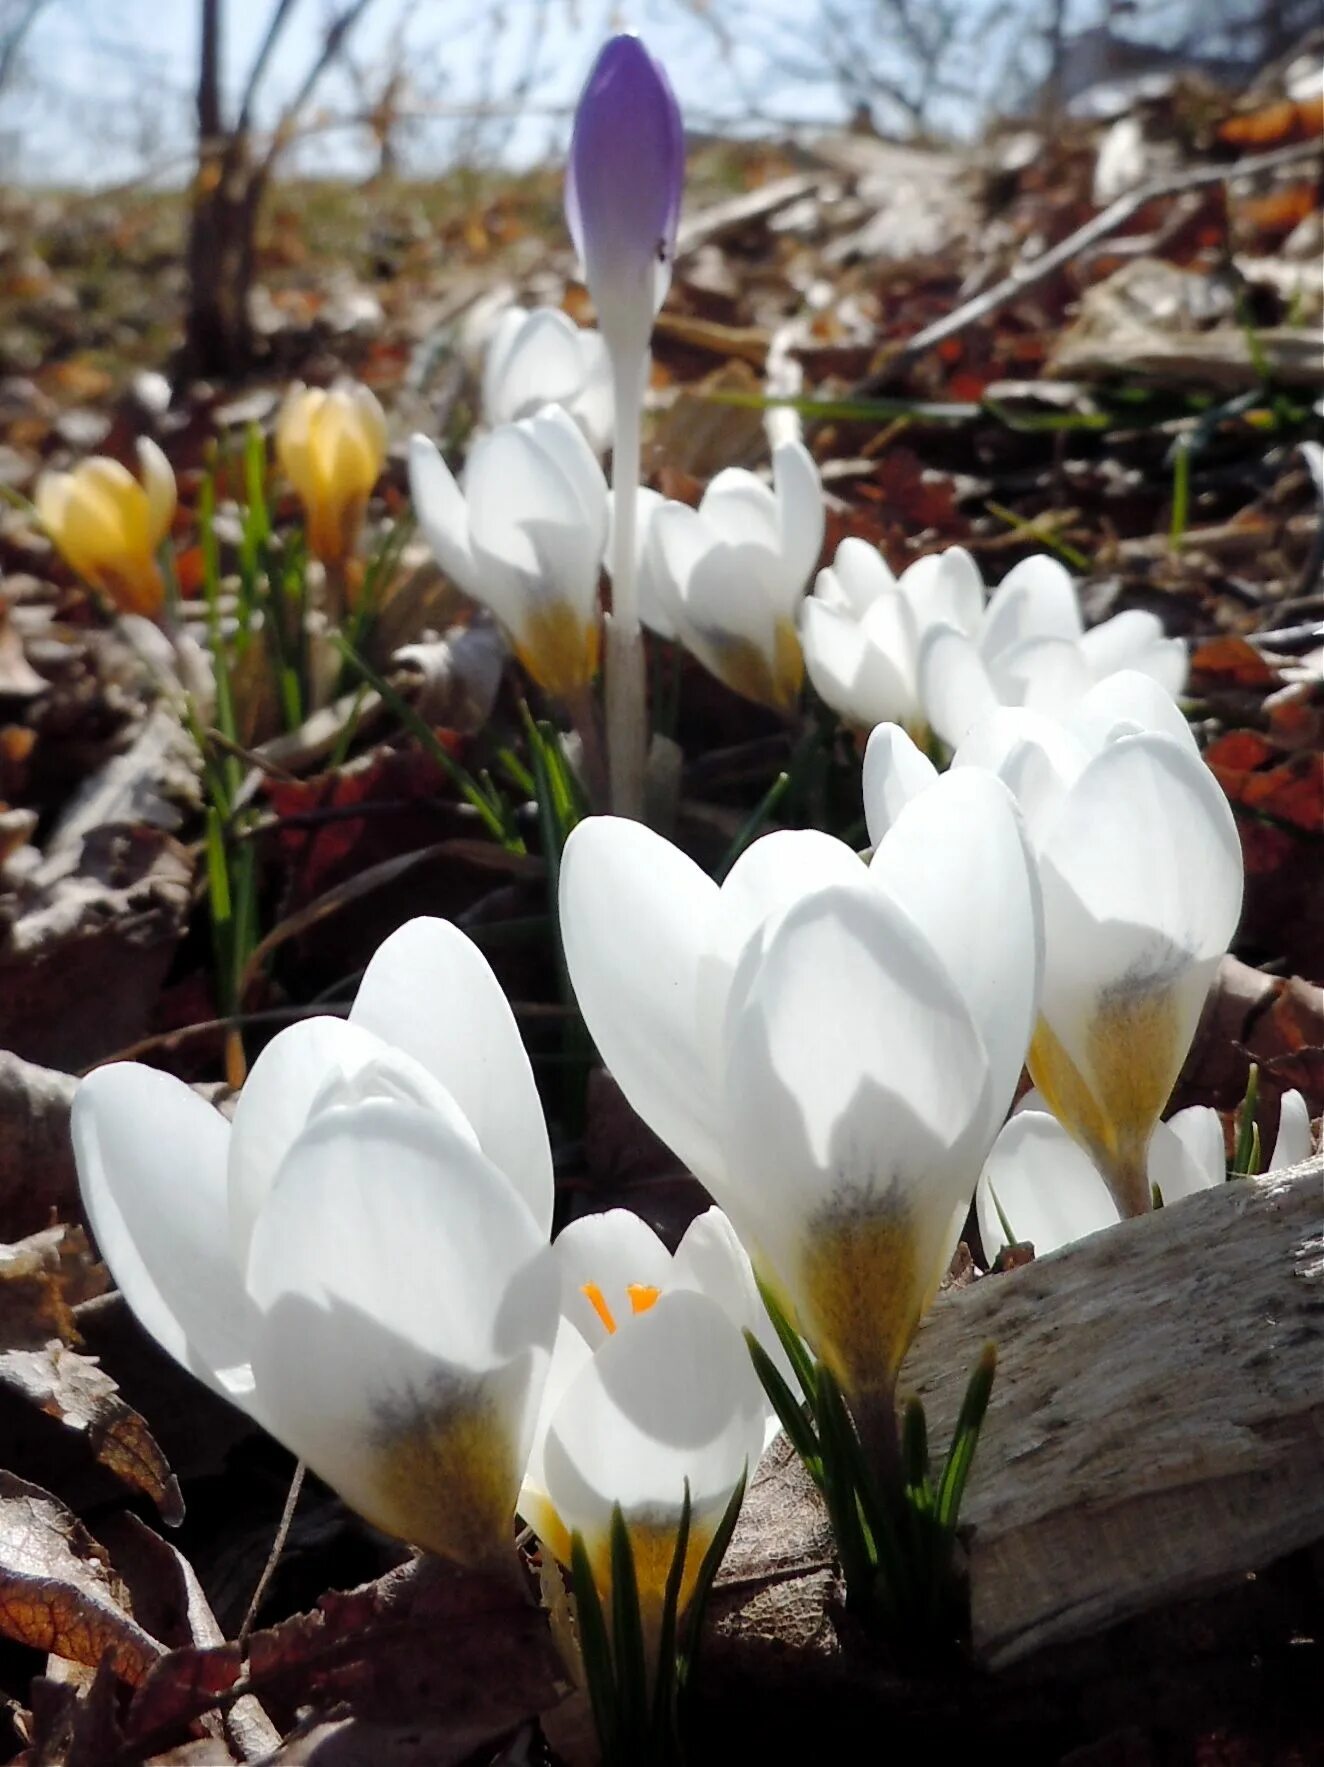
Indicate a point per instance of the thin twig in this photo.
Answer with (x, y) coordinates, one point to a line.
(1026, 275)
(273, 1557)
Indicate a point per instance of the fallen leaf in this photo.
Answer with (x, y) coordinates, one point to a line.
(42, 1279)
(58, 1591)
(71, 1387)
(1230, 662)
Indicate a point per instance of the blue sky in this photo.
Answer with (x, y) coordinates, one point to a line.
(108, 85)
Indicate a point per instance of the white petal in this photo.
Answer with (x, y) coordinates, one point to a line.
(1129, 703)
(741, 510)
(667, 1401)
(430, 992)
(675, 542)
(526, 510)
(635, 916)
(539, 364)
(1035, 757)
(570, 1354)
(954, 687)
(1037, 599)
(801, 518)
(408, 1306)
(1187, 1154)
(711, 1260)
(613, 1252)
(558, 435)
(594, 408)
(850, 670)
(945, 588)
(1046, 675)
(439, 505)
(965, 827)
(860, 573)
(1112, 644)
(504, 337)
(1046, 1187)
(1293, 1144)
(869, 1103)
(895, 772)
(151, 1161)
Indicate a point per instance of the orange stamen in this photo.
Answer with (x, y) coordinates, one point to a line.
(593, 1295)
(642, 1296)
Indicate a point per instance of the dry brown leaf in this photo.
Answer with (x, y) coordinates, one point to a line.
(467, 1654)
(58, 1591)
(72, 1388)
(42, 1279)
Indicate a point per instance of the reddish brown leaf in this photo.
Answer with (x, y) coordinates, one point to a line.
(58, 1592)
(1230, 662)
(43, 1277)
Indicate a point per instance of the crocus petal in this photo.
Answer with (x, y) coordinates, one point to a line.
(607, 1254)
(1037, 599)
(895, 772)
(1293, 1144)
(532, 362)
(304, 1064)
(860, 574)
(151, 1161)
(667, 1403)
(1128, 703)
(1113, 643)
(430, 992)
(1186, 1153)
(857, 678)
(439, 505)
(570, 1354)
(623, 182)
(967, 826)
(954, 687)
(711, 1260)
(848, 1150)
(1141, 874)
(408, 1306)
(1047, 675)
(159, 484)
(801, 518)
(635, 915)
(741, 510)
(1045, 1187)
(1035, 757)
(945, 588)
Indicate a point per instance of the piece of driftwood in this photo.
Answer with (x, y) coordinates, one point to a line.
(1156, 1432)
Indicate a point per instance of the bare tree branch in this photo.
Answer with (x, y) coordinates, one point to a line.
(280, 14)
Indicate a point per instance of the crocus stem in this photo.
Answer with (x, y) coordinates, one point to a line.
(627, 708)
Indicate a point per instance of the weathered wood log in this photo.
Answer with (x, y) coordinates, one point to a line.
(1156, 1432)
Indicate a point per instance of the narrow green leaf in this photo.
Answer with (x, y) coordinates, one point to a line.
(790, 1411)
(755, 823)
(627, 1634)
(1243, 1162)
(915, 1450)
(797, 1353)
(594, 1649)
(706, 1577)
(965, 1439)
(665, 1687)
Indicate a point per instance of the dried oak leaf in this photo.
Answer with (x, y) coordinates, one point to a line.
(1257, 777)
(72, 1388)
(67, 1728)
(425, 1642)
(1231, 662)
(58, 1592)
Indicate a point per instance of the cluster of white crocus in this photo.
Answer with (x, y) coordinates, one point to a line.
(543, 358)
(1141, 873)
(525, 536)
(831, 1047)
(726, 579)
(1040, 1187)
(924, 651)
(361, 1261)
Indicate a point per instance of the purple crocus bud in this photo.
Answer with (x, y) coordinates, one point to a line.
(622, 189)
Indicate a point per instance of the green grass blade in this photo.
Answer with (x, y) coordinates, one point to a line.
(1244, 1164)
(594, 1650)
(797, 1354)
(965, 1439)
(790, 1411)
(627, 1634)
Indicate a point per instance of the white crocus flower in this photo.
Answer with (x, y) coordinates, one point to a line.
(1141, 871)
(861, 629)
(1045, 1188)
(726, 579)
(667, 1402)
(543, 358)
(830, 1048)
(525, 537)
(361, 1260)
(614, 1270)
(1030, 649)
(1049, 1192)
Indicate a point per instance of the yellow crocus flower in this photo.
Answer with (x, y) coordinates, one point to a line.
(107, 525)
(331, 446)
